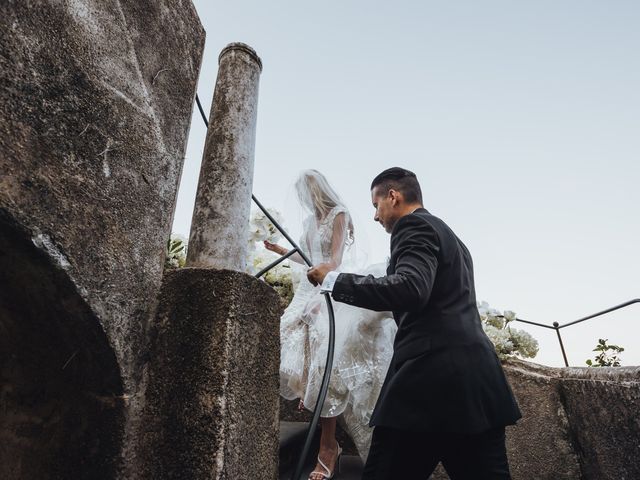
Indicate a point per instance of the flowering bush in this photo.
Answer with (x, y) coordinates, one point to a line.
(176, 254)
(507, 341)
(279, 277)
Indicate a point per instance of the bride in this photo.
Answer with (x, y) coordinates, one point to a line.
(364, 339)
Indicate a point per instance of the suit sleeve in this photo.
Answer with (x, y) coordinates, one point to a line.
(416, 246)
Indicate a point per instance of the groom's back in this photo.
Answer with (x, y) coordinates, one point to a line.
(450, 317)
(444, 375)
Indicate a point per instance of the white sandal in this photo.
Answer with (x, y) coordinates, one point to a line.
(328, 474)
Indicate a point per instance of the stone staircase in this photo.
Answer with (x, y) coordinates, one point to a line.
(292, 436)
(578, 423)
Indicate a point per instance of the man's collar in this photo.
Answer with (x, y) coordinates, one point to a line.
(419, 209)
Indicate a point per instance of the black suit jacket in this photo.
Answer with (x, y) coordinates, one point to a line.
(444, 375)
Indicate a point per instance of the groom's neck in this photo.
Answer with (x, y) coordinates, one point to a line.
(409, 208)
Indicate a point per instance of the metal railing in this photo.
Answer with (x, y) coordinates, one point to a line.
(331, 346)
(557, 327)
(324, 387)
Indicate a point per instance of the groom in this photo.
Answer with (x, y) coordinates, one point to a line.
(445, 398)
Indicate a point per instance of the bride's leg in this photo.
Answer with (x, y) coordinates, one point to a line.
(328, 447)
(328, 435)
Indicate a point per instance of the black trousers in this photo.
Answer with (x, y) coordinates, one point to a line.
(401, 455)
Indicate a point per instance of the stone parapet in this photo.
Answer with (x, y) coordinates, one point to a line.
(602, 406)
(540, 446)
(212, 398)
(578, 423)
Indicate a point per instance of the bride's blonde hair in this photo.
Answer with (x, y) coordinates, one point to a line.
(317, 196)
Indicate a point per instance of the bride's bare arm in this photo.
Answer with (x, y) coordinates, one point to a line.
(338, 238)
(282, 251)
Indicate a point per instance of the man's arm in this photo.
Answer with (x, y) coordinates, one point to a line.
(416, 247)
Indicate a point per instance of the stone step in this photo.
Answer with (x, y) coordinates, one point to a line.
(289, 412)
(350, 469)
(292, 436)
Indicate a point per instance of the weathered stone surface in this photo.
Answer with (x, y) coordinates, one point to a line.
(212, 399)
(218, 235)
(603, 406)
(95, 106)
(61, 395)
(578, 423)
(540, 445)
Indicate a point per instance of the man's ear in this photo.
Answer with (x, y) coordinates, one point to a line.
(395, 196)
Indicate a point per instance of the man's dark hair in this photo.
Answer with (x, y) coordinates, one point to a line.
(399, 179)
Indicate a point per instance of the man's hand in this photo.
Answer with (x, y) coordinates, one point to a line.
(316, 274)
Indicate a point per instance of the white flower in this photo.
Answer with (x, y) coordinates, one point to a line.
(280, 276)
(509, 316)
(483, 308)
(506, 340)
(500, 339)
(261, 228)
(258, 259)
(524, 344)
(495, 321)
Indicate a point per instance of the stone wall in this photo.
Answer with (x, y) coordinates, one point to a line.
(540, 446)
(61, 393)
(95, 106)
(602, 406)
(578, 423)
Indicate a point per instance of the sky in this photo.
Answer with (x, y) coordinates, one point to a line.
(520, 119)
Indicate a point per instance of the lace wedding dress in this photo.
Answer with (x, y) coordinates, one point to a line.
(363, 348)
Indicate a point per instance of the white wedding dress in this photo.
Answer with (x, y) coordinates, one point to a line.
(363, 346)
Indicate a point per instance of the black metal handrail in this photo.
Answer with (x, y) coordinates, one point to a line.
(331, 346)
(556, 326)
(324, 387)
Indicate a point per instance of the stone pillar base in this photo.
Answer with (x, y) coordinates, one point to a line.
(212, 398)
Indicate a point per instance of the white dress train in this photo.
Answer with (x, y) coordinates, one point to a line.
(363, 346)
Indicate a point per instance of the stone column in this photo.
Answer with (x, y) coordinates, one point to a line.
(221, 213)
(211, 409)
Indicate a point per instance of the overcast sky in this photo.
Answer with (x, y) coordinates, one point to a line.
(521, 120)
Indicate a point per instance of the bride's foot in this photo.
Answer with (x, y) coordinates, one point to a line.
(328, 460)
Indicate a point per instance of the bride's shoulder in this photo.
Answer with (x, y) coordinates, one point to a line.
(337, 210)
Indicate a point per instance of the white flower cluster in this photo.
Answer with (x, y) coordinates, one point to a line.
(176, 255)
(279, 277)
(507, 341)
(261, 228)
